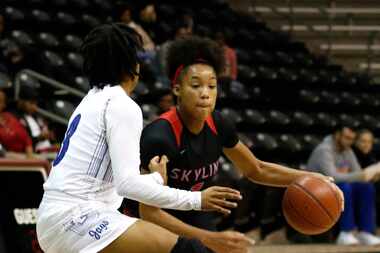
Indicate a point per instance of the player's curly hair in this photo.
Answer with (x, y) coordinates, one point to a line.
(188, 51)
(110, 54)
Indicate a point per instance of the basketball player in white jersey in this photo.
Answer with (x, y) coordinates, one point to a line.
(98, 165)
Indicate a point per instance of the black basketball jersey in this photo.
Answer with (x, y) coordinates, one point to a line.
(193, 158)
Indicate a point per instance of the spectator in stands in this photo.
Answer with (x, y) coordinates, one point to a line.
(13, 135)
(188, 20)
(3, 67)
(363, 148)
(334, 157)
(125, 15)
(148, 17)
(36, 126)
(165, 100)
(364, 151)
(229, 57)
(180, 32)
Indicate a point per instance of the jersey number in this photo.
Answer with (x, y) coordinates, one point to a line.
(66, 141)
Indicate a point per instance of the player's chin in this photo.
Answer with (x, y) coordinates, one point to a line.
(203, 111)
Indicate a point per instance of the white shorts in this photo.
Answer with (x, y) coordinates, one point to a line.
(84, 228)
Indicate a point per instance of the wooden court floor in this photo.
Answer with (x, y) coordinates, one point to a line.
(277, 243)
(312, 248)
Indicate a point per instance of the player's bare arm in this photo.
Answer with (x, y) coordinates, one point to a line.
(266, 173)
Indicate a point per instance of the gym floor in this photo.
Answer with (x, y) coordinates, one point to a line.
(277, 243)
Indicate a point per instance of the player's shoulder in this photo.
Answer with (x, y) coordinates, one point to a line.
(122, 104)
(160, 126)
(158, 133)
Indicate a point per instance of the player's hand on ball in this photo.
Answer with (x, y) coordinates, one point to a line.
(158, 164)
(218, 199)
(227, 242)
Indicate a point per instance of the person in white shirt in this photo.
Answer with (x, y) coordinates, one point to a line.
(98, 165)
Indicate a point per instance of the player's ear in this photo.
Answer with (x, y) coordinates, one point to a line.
(176, 89)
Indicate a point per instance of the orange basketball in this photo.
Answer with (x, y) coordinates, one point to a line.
(311, 205)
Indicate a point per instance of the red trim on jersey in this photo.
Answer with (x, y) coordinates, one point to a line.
(211, 124)
(175, 123)
(172, 117)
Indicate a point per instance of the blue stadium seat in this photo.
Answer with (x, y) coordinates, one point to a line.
(326, 121)
(370, 122)
(310, 141)
(59, 3)
(62, 108)
(22, 38)
(232, 115)
(90, 21)
(278, 118)
(48, 40)
(82, 83)
(329, 98)
(66, 20)
(72, 41)
(288, 143)
(40, 17)
(75, 60)
(264, 141)
(29, 81)
(348, 120)
(81, 4)
(5, 81)
(238, 91)
(301, 119)
(14, 15)
(349, 99)
(254, 117)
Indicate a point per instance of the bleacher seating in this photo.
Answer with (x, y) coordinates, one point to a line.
(282, 88)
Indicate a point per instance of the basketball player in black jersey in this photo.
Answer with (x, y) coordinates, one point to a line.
(193, 136)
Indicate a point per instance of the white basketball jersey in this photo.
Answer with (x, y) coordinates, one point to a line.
(83, 169)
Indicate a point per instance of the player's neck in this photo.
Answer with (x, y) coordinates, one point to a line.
(128, 86)
(193, 124)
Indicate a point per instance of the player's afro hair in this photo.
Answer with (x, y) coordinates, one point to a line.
(110, 54)
(194, 49)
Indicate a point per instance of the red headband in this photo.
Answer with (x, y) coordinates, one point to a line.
(181, 67)
(177, 72)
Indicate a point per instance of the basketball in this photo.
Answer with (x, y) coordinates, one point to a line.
(311, 205)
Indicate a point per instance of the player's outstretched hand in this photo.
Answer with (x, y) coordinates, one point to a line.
(220, 199)
(227, 242)
(158, 164)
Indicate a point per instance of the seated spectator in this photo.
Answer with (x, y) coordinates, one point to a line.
(36, 126)
(230, 58)
(13, 135)
(125, 15)
(148, 17)
(363, 148)
(334, 157)
(180, 32)
(3, 67)
(124, 12)
(164, 100)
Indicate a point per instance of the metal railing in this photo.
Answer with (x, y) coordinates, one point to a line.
(44, 80)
